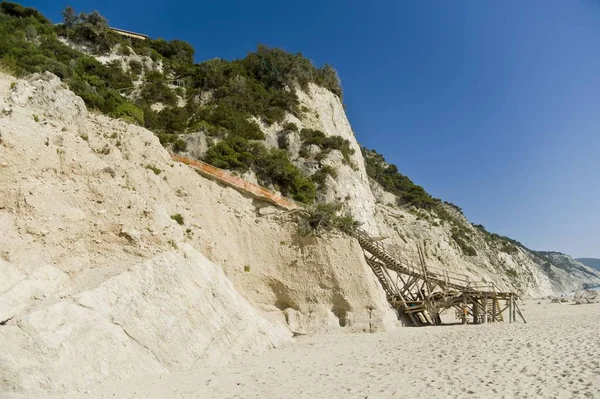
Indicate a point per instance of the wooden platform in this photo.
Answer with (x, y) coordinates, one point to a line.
(420, 293)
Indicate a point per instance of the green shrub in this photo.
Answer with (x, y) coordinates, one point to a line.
(179, 145)
(123, 49)
(166, 139)
(272, 166)
(325, 143)
(36, 118)
(512, 273)
(233, 153)
(178, 218)
(319, 177)
(509, 248)
(461, 236)
(173, 119)
(135, 67)
(235, 122)
(329, 78)
(154, 169)
(325, 217)
(388, 176)
(18, 11)
(155, 90)
(130, 113)
(291, 126)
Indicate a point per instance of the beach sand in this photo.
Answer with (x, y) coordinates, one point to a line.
(556, 354)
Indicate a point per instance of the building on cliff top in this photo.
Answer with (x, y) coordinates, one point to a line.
(132, 35)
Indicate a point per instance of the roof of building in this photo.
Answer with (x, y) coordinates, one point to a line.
(130, 33)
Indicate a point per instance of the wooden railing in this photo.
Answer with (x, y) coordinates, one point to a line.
(407, 266)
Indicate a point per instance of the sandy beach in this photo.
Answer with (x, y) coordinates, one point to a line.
(556, 354)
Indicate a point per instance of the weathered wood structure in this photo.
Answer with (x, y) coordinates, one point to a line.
(420, 293)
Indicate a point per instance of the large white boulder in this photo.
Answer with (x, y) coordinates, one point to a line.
(171, 313)
(587, 296)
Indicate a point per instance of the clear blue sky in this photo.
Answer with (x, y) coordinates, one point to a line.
(492, 105)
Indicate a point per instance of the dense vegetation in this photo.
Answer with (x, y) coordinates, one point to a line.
(29, 43)
(506, 244)
(388, 176)
(261, 85)
(272, 166)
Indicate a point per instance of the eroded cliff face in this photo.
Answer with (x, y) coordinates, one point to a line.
(97, 271)
(351, 186)
(404, 227)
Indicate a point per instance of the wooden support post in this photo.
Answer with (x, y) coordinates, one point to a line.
(521, 314)
(485, 308)
(464, 309)
(494, 310)
(475, 311)
(514, 315)
(510, 308)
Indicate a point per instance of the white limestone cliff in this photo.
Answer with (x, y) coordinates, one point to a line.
(99, 282)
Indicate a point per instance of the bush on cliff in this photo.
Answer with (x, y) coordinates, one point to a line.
(129, 112)
(272, 166)
(325, 217)
(325, 143)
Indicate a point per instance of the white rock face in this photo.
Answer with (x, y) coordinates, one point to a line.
(50, 97)
(42, 282)
(90, 268)
(171, 313)
(352, 183)
(65, 347)
(182, 300)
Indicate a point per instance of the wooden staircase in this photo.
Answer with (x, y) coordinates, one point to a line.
(419, 293)
(413, 310)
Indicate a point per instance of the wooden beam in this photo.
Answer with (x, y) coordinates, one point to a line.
(463, 308)
(475, 311)
(521, 314)
(485, 308)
